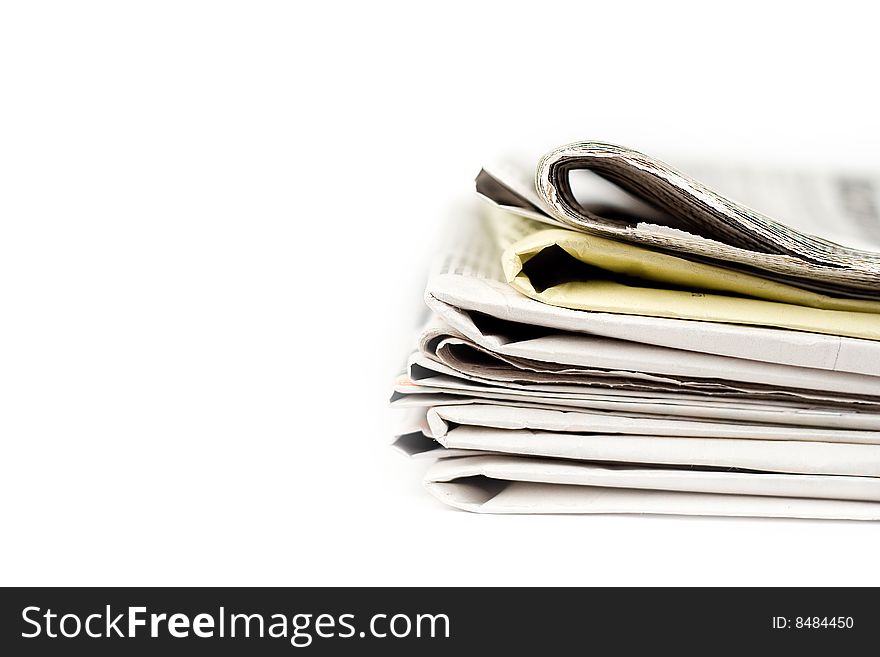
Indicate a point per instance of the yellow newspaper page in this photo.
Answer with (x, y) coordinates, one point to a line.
(585, 272)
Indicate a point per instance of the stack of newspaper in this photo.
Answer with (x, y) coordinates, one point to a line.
(608, 335)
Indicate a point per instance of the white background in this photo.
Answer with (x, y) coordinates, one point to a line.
(215, 223)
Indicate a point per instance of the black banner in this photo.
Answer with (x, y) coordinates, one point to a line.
(334, 621)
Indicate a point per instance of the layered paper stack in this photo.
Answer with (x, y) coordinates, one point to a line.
(609, 335)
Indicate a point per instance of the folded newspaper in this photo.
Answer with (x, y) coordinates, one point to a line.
(608, 335)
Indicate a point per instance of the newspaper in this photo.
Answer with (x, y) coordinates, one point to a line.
(558, 358)
(585, 272)
(468, 281)
(652, 347)
(423, 370)
(685, 216)
(801, 457)
(473, 481)
(436, 422)
(505, 484)
(435, 390)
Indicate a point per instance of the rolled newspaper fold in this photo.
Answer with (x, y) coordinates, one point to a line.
(692, 219)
